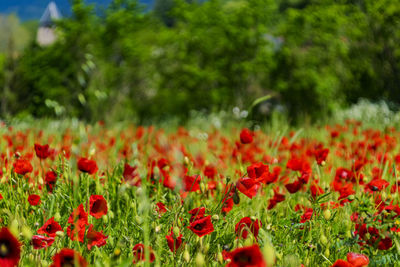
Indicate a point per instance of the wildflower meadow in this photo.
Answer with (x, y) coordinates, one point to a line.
(74, 194)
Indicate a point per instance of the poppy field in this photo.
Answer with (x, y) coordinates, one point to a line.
(73, 194)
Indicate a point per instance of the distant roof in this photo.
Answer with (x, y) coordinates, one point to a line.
(50, 14)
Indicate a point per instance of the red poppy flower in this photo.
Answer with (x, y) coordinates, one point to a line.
(227, 206)
(161, 209)
(342, 263)
(246, 256)
(34, 200)
(248, 186)
(245, 225)
(346, 191)
(1, 196)
(50, 180)
(276, 198)
(321, 154)
(78, 221)
(377, 184)
(140, 255)
(39, 241)
(307, 215)
(42, 152)
(299, 164)
(10, 249)
(257, 170)
(202, 226)
(246, 136)
(174, 242)
(87, 165)
(210, 171)
(50, 228)
(192, 183)
(358, 260)
(22, 166)
(130, 175)
(385, 244)
(197, 213)
(68, 257)
(316, 190)
(98, 206)
(95, 238)
(294, 187)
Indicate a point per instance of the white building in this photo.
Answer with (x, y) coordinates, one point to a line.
(46, 33)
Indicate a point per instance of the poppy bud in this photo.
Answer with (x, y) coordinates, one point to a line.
(215, 217)
(220, 257)
(117, 252)
(176, 231)
(324, 240)
(348, 234)
(186, 161)
(200, 259)
(327, 214)
(327, 252)
(186, 256)
(206, 247)
(202, 187)
(158, 228)
(14, 227)
(57, 216)
(269, 254)
(138, 219)
(236, 198)
(26, 232)
(60, 233)
(249, 241)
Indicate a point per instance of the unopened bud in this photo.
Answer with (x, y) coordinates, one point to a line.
(220, 258)
(57, 216)
(269, 254)
(60, 233)
(200, 259)
(324, 240)
(26, 232)
(176, 231)
(186, 256)
(327, 214)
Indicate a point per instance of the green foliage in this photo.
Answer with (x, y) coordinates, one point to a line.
(126, 62)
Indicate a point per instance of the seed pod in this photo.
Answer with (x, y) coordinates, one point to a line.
(269, 254)
(236, 198)
(220, 257)
(215, 217)
(327, 214)
(176, 231)
(327, 252)
(200, 261)
(186, 256)
(324, 240)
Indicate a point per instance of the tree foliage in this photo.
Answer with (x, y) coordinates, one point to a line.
(129, 62)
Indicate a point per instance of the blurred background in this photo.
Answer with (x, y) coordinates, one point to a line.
(148, 60)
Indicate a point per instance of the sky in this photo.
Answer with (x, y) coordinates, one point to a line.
(33, 9)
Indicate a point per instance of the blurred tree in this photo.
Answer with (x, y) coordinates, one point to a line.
(53, 79)
(214, 56)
